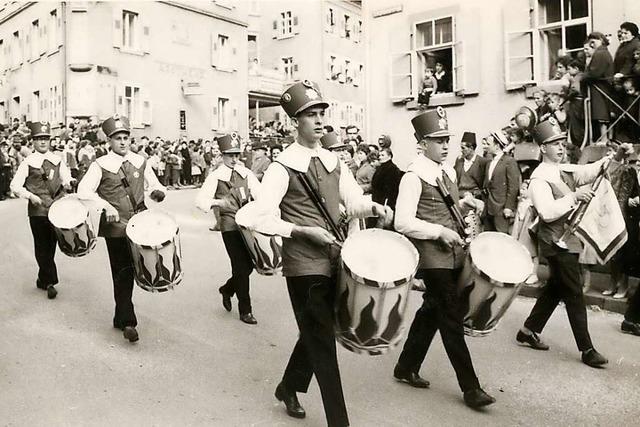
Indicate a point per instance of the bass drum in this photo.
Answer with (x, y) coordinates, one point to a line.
(496, 267)
(377, 271)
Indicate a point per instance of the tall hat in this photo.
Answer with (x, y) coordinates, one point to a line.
(300, 96)
(469, 137)
(526, 118)
(228, 144)
(548, 131)
(115, 124)
(39, 129)
(260, 146)
(432, 123)
(500, 138)
(331, 141)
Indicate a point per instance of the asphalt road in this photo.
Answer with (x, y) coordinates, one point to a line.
(61, 362)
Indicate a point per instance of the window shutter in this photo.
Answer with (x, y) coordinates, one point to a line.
(467, 58)
(234, 57)
(520, 45)
(327, 70)
(214, 115)
(146, 39)
(59, 34)
(44, 42)
(119, 99)
(235, 117)
(296, 26)
(275, 32)
(147, 109)
(28, 48)
(117, 27)
(327, 21)
(343, 26)
(401, 85)
(214, 49)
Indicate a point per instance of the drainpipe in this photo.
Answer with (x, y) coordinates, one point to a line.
(65, 47)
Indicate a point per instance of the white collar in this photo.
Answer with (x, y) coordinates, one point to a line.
(428, 170)
(471, 160)
(224, 172)
(36, 158)
(550, 172)
(112, 161)
(297, 157)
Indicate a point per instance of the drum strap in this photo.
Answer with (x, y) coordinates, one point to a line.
(317, 201)
(127, 189)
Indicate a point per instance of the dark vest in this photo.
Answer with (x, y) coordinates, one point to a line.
(112, 189)
(432, 208)
(301, 257)
(550, 232)
(45, 183)
(231, 192)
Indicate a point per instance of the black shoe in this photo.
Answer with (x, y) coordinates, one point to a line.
(248, 318)
(226, 300)
(594, 359)
(290, 400)
(411, 378)
(630, 327)
(477, 398)
(131, 334)
(51, 292)
(532, 340)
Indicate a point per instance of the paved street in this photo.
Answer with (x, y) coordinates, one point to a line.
(61, 363)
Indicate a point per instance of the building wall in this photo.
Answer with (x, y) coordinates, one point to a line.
(480, 25)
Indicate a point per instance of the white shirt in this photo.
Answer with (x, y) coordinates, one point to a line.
(494, 162)
(467, 163)
(112, 162)
(550, 209)
(207, 192)
(406, 222)
(275, 184)
(35, 160)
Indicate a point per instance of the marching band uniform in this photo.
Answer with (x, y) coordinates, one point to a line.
(235, 186)
(119, 181)
(552, 190)
(422, 215)
(310, 269)
(42, 175)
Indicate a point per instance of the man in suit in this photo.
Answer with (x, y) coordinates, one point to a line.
(470, 168)
(501, 185)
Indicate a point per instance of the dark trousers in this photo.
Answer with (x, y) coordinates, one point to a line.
(241, 268)
(633, 310)
(122, 274)
(564, 284)
(312, 299)
(44, 244)
(496, 223)
(442, 309)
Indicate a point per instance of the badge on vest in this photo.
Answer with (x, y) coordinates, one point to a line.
(242, 193)
(136, 174)
(51, 173)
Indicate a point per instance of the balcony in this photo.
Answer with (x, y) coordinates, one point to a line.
(265, 86)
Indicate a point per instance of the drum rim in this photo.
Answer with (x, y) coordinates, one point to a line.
(66, 199)
(376, 283)
(485, 276)
(159, 245)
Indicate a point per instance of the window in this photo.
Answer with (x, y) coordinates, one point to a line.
(16, 50)
(357, 32)
(130, 30)
(223, 113)
(35, 39)
(132, 104)
(35, 106)
(348, 72)
(3, 60)
(333, 69)
(286, 23)
(434, 44)
(357, 80)
(537, 36)
(330, 21)
(347, 27)
(289, 68)
(53, 31)
(224, 51)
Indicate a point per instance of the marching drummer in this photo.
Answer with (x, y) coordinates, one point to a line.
(41, 179)
(117, 182)
(423, 215)
(299, 200)
(554, 192)
(228, 188)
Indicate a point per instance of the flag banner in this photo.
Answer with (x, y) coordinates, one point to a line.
(603, 227)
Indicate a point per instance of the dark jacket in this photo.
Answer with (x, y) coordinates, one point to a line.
(623, 61)
(472, 180)
(502, 189)
(385, 183)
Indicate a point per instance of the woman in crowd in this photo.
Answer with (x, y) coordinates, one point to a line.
(386, 180)
(596, 75)
(624, 61)
(366, 169)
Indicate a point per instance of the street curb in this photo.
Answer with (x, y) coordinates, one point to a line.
(592, 298)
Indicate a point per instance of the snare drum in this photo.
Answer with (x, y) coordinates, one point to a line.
(265, 251)
(73, 226)
(377, 270)
(496, 267)
(155, 248)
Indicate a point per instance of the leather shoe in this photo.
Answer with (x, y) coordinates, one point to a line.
(226, 299)
(130, 333)
(51, 292)
(248, 318)
(290, 400)
(594, 359)
(477, 398)
(630, 327)
(532, 340)
(411, 378)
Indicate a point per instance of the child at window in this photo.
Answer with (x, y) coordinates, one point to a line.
(429, 87)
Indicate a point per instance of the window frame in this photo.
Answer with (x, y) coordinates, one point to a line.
(134, 32)
(223, 119)
(454, 45)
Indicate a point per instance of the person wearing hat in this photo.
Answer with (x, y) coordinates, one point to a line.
(261, 160)
(331, 141)
(41, 179)
(555, 191)
(310, 251)
(423, 216)
(470, 168)
(116, 181)
(501, 184)
(228, 188)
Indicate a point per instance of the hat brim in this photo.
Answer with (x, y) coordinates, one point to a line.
(309, 105)
(337, 147)
(232, 151)
(36, 135)
(554, 138)
(118, 131)
(438, 134)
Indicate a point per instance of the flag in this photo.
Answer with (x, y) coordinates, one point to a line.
(603, 227)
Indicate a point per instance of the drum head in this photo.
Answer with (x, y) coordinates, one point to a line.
(67, 213)
(151, 228)
(501, 257)
(380, 255)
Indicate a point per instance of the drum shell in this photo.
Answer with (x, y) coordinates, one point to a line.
(76, 241)
(265, 251)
